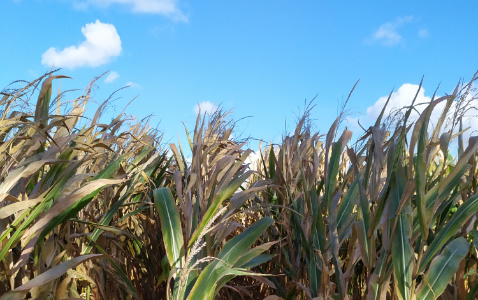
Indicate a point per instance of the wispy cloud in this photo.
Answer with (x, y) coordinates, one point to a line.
(33, 73)
(133, 84)
(387, 34)
(102, 43)
(205, 107)
(423, 33)
(168, 8)
(112, 76)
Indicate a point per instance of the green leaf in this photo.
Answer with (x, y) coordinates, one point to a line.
(439, 193)
(20, 228)
(148, 169)
(222, 195)
(345, 214)
(474, 237)
(362, 226)
(170, 225)
(333, 170)
(246, 260)
(402, 255)
(442, 269)
(377, 289)
(205, 285)
(272, 167)
(145, 151)
(258, 260)
(43, 103)
(80, 204)
(421, 172)
(464, 212)
(123, 278)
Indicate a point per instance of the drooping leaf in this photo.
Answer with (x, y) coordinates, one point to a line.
(48, 276)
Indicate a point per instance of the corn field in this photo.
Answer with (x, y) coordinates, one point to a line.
(90, 210)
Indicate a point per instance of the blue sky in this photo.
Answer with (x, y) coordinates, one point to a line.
(261, 59)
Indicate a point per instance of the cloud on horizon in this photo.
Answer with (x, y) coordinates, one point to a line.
(387, 34)
(168, 8)
(403, 97)
(101, 44)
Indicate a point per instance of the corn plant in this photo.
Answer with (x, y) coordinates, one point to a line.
(384, 218)
(97, 210)
(68, 194)
(208, 250)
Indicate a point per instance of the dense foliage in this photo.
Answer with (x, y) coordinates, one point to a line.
(105, 211)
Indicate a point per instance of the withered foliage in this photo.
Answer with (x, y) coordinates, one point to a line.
(105, 211)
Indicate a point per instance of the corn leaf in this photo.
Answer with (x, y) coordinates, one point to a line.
(206, 283)
(222, 195)
(402, 255)
(170, 225)
(463, 213)
(442, 269)
(48, 276)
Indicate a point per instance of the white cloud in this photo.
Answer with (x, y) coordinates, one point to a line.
(133, 85)
(399, 99)
(423, 33)
(388, 34)
(403, 97)
(167, 8)
(112, 76)
(254, 159)
(206, 107)
(102, 43)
